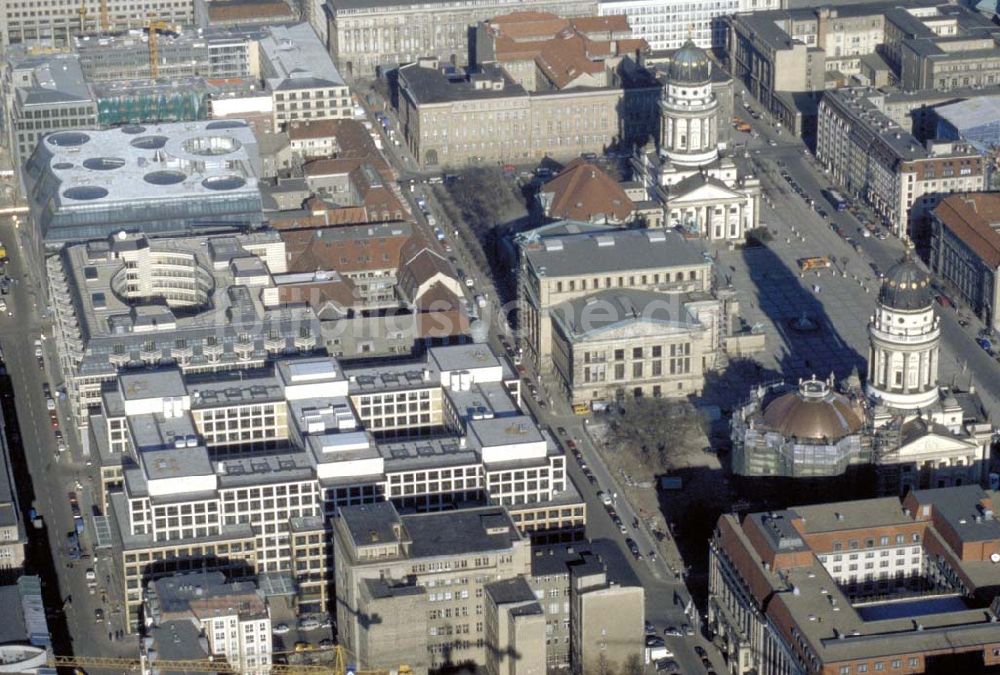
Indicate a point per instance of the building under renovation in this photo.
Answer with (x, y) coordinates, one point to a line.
(811, 431)
(917, 433)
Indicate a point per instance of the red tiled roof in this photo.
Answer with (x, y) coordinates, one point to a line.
(223, 11)
(584, 192)
(308, 251)
(974, 218)
(616, 23)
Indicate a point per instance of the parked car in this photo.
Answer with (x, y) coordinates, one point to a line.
(654, 641)
(281, 629)
(308, 624)
(98, 616)
(688, 630)
(672, 631)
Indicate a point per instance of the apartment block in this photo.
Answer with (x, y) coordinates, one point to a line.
(198, 469)
(302, 79)
(193, 302)
(427, 576)
(43, 94)
(230, 618)
(877, 585)
(786, 56)
(965, 250)
(668, 26)
(367, 35)
(877, 161)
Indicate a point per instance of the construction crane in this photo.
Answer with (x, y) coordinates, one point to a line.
(340, 666)
(82, 11)
(126, 665)
(105, 20)
(154, 49)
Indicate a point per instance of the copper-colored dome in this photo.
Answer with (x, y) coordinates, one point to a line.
(814, 412)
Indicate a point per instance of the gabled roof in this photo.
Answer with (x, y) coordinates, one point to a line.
(345, 249)
(582, 191)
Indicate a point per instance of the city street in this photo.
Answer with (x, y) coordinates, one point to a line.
(846, 305)
(54, 475)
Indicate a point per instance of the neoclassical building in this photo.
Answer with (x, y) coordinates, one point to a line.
(704, 193)
(916, 433)
(904, 334)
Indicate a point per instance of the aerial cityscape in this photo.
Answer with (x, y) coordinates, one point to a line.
(520, 337)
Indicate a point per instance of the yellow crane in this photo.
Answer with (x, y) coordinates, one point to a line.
(153, 28)
(127, 665)
(82, 11)
(105, 21)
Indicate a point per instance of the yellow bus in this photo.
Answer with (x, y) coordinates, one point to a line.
(819, 262)
(581, 409)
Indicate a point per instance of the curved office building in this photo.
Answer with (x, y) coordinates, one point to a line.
(158, 179)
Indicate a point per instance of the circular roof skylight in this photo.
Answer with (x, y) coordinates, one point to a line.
(149, 142)
(85, 192)
(164, 177)
(67, 139)
(224, 182)
(103, 163)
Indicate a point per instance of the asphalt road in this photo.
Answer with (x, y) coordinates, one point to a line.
(969, 361)
(53, 476)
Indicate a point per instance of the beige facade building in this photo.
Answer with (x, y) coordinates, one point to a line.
(425, 577)
(246, 472)
(640, 320)
(639, 342)
(550, 274)
(876, 160)
(608, 620)
(541, 86)
(364, 35)
(965, 250)
(786, 56)
(303, 81)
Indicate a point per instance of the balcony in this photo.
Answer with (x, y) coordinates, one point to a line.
(305, 342)
(120, 360)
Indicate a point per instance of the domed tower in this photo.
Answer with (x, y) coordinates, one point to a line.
(904, 334)
(688, 109)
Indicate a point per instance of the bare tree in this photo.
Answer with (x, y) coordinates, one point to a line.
(601, 666)
(659, 432)
(633, 665)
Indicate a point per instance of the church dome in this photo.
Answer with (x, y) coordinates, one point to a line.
(906, 287)
(815, 412)
(690, 65)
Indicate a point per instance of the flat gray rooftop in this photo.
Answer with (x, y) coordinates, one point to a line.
(461, 532)
(436, 85)
(299, 59)
(613, 252)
